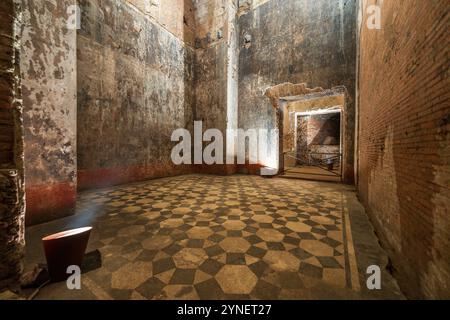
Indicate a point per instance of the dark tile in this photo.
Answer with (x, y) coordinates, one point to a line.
(120, 294)
(329, 262)
(292, 240)
(151, 288)
(234, 233)
(251, 229)
(147, 255)
(279, 222)
(209, 290)
(172, 249)
(152, 227)
(216, 238)
(183, 276)
(311, 223)
(211, 266)
(290, 280)
(164, 231)
(259, 268)
(276, 246)
(141, 222)
(285, 230)
(220, 220)
(331, 227)
(319, 231)
(214, 250)
(195, 243)
(163, 265)
(265, 291)
(306, 236)
(184, 227)
(256, 252)
(331, 242)
(217, 228)
(236, 258)
(300, 253)
(179, 236)
(311, 270)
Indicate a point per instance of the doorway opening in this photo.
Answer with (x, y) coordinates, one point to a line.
(317, 152)
(314, 132)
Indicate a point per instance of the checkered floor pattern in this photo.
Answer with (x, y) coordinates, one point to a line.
(210, 237)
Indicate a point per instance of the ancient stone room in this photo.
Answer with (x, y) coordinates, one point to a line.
(241, 150)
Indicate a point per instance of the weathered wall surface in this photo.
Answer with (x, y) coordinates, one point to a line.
(134, 88)
(48, 68)
(404, 141)
(12, 200)
(215, 69)
(312, 41)
(176, 16)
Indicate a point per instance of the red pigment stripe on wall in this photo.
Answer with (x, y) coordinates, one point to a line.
(49, 201)
(98, 178)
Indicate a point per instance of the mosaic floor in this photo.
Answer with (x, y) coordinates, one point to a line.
(210, 237)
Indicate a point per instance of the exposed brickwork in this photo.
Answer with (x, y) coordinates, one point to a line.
(6, 86)
(6, 135)
(324, 129)
(12, 238)
(318, 137)
(404, 141)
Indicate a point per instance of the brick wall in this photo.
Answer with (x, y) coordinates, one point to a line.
(6, 134)
(6, 88)
(324, 129)
(404, 140)
(11, 150)
(318, 136)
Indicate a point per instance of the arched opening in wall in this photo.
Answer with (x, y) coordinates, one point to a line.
(313, 135)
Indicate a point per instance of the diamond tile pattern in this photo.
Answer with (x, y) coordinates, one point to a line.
(210, 237)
